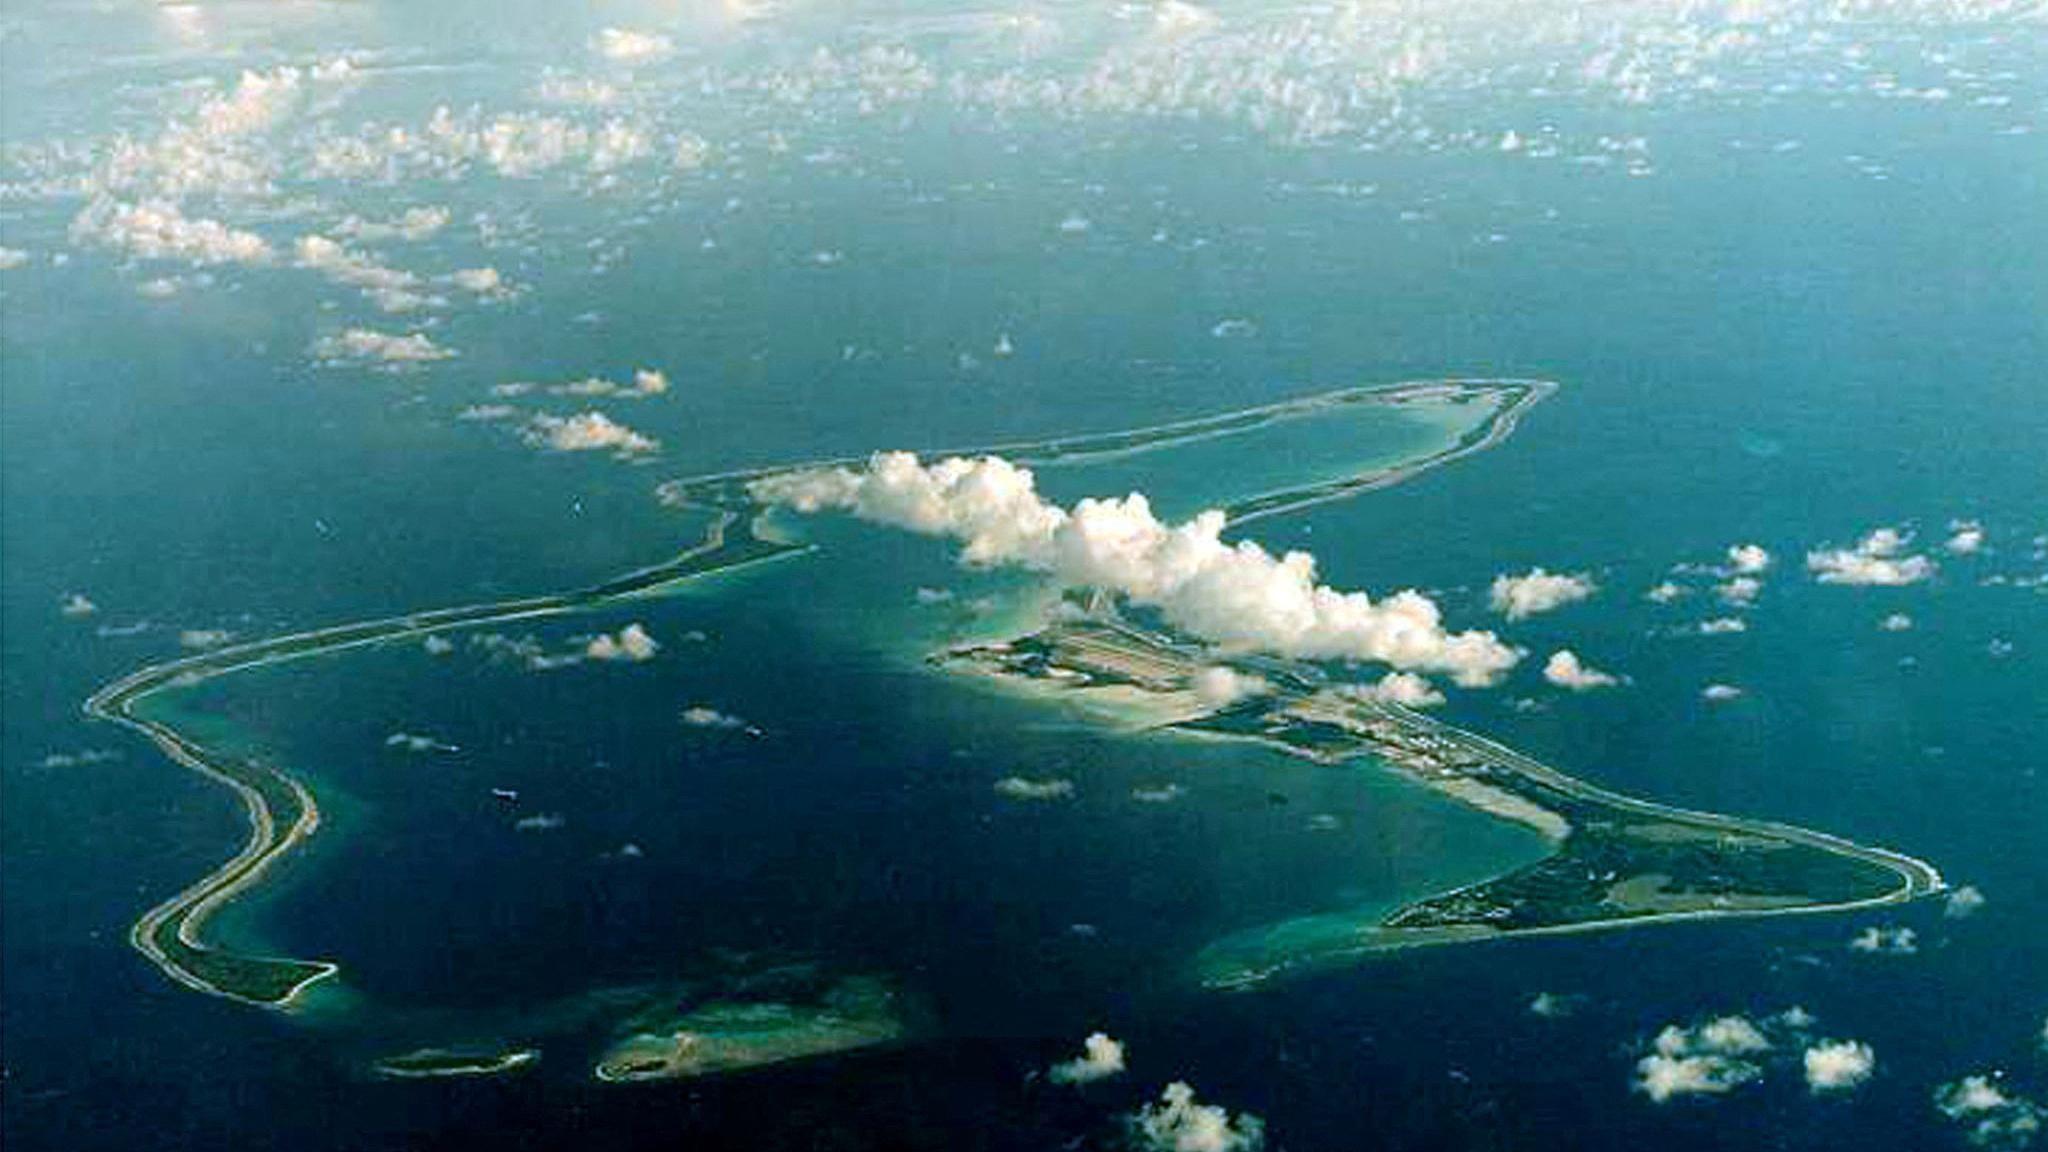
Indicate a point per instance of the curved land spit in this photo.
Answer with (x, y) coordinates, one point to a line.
(283, 812)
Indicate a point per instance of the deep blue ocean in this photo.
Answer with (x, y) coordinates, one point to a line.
(1751, 346)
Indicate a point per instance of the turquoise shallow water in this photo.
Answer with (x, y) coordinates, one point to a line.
(1775, 350)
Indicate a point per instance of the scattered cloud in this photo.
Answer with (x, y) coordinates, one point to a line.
(544, 822)
(1723, 626)
(1231, 593)
(437, 645)
(1566, 670)
(1838, 1065)
(1220, 685)
(632, 644)
(1100, 1059)
(1739, 591)
(1886, 941)
(1403, 688)
(202, 638)
(390, 289)
(1718, 693)
(11, 258)
(1896, 622)
(1157, 794)
(1552, 1006)
(1534, 591)
(1963, 903)
(705, 716)
(369, 346)
(1992, 1116)
(1748, 559)
(588, 431)
(1879, 559)
(1178, 1122)
(1024, 788)
(77, 604)
(1665, 593)
(627, 46)
(1712, 1059)
(413, 225)
(159, 230)
(1966, 538)
(414, 742)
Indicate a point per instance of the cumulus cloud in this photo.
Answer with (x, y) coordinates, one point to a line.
(1886, 941)
(1100, 1058)
(544, 822)
(1739, 591)
(1723, 626)
(1219, 685)
(1566, 670)
(1879, 559)
(1178, 1122)
(632, 645)
(76, 604)
(1896, 622)
(1519, 597)
(1025, 788)
(11, 258)
(1711, 1059)
(159, 230)
(1838, 1065)
(202, 638)
(704, 716)
(1664, 593)
(390, 289)
(369, 346)
(1966, 537)
(1748, 559)
(1403, 688)
(628, 46)
(414, 224)
(1230, 593)
(590, 431)
(1991, 1116)
(1963, 903)
(1718, 693)
(414, 742)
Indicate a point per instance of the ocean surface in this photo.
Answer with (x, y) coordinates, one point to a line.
(1750, 346)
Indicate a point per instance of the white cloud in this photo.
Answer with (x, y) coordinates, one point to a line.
(485, 282)
(367, 345)
(1723, 626)
(202, 638)
(1566, 670)
(1219, 685)
(1878, 559)
(1178, 1122)
(391, 289)
(1519, 597)
(11, 258)
(437, 645)
(414, 742)
(1963, 903)
(1739, 591)
(1896, 622)
(414, 224)
(1231, 593)
(1159, 794)
(1551, 1006)
(1992, 1116)
(159, 230)
(632, 645)
(1717, 693)
(628, 46)
(1714, 1058)
(590, 431)
(1664, 593)
(1886, 941)
(545, 822)
(703, 716)
(1748, 559)
(1100, 1058)
(1403, 688)
(76, 604)
(1838, 1065)
(1966, 537)
(1024, 788)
